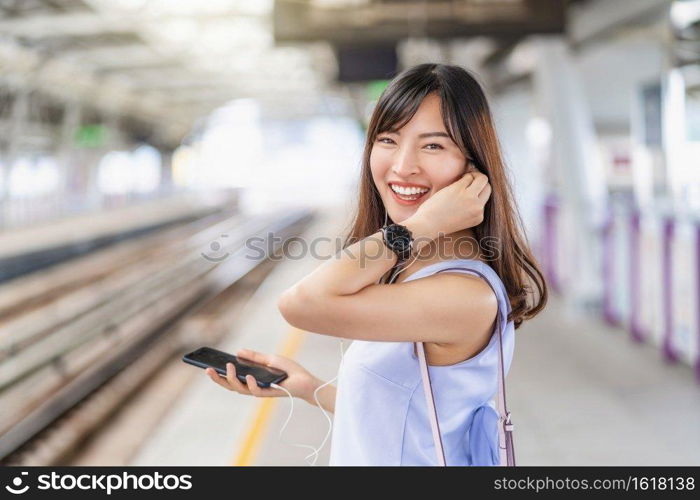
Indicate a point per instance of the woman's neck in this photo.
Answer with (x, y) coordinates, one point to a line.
(459, 245)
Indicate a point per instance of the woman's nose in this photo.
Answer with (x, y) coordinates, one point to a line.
(405, 164)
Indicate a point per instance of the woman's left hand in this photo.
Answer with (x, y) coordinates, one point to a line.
(457, 206)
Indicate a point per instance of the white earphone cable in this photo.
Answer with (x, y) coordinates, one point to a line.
(315, 451)
(289, 416)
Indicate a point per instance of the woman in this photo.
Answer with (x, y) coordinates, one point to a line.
(431, 164)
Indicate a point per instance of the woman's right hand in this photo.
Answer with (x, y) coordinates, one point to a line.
(457, 206)
(299, 382)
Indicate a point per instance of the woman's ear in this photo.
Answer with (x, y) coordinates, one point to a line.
(471, 167)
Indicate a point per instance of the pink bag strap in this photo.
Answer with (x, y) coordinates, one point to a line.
(430, 401)
(505, 422)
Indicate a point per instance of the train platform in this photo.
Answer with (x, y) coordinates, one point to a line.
(580, 392)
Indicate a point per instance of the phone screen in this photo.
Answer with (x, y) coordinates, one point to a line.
(206, 356)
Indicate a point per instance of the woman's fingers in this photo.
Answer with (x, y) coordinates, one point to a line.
(271, 360)
(467, 179)
(485, 193)
(226, 381)
(480, 180)
(233, 381)
(256, 356)
(253, 386)
(218, 379)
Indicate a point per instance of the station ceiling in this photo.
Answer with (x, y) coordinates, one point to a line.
(169, 62)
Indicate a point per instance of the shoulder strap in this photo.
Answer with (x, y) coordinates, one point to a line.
(505, 427)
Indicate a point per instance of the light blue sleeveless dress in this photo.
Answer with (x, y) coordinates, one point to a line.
(381, 416)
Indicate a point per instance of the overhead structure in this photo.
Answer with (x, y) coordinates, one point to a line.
(159, 66)
(163, 64)
(365, 33)
(375, 21)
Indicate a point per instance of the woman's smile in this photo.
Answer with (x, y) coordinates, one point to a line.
(408, 194)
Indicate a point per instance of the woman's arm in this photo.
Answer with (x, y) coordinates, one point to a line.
(354, 268)
(326, 396)
(339, 298)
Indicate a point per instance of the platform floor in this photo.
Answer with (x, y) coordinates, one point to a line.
(581, 393)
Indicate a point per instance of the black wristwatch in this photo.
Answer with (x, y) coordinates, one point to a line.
(399, 239)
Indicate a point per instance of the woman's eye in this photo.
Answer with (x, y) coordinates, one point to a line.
(432, 146)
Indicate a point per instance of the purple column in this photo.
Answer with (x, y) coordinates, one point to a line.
(609, 313)
(668, 351)
(551, 207)
(636, 331)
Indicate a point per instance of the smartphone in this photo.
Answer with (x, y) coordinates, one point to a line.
(206, 357)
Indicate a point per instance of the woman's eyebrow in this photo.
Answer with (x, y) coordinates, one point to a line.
(426, 134)
(434, 134)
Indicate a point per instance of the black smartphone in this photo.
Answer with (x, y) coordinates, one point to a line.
(206, 357)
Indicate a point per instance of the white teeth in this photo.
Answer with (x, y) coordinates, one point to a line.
(408, 191)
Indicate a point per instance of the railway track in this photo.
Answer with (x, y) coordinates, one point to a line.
(67, 335)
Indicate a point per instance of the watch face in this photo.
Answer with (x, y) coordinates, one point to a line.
(399, 236)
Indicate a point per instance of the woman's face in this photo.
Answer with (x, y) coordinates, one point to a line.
(412, 163)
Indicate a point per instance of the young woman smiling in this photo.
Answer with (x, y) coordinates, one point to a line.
(431, 164)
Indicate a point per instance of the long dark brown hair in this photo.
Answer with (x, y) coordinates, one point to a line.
(469, 123)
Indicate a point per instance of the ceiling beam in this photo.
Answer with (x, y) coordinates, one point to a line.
(391, 22)
(63, 80)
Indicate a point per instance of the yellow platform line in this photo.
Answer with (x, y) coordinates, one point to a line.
(256, 430)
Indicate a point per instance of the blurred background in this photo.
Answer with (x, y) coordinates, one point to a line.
(144, 142)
